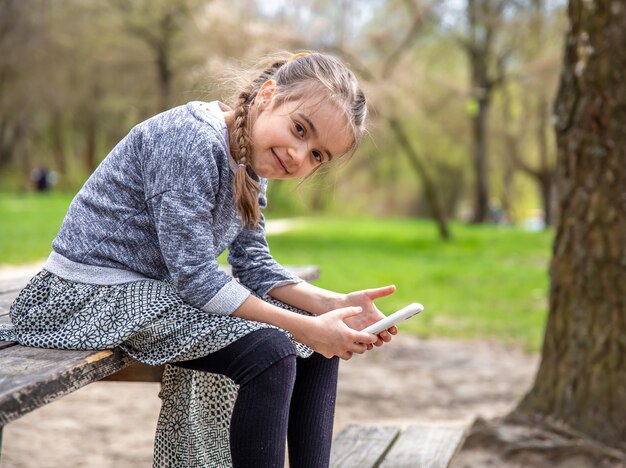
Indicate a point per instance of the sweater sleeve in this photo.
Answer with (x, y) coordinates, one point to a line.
(185, 234)
(251, 261)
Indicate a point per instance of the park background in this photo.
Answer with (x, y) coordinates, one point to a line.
(451, 89)
(451, 196)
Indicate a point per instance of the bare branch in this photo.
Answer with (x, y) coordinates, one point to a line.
(355, 63)
(394, 57)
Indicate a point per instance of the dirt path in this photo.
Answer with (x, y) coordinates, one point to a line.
(111, 424)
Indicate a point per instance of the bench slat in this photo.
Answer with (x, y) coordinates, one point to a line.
(137, 372)
(424, 447)
(361, 446)
(6, 299)
(14, 284)
(32, 377)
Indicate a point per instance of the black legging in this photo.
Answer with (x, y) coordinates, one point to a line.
(281, 397)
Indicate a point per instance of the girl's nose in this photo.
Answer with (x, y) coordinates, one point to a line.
(298, 152)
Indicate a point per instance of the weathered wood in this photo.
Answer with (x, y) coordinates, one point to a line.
(6, 344)
(422, 446)
(32, 377)
(14, 284)
(6, 299)
(137, 372)
(362, 446)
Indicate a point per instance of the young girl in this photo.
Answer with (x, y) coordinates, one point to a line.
(134, 264)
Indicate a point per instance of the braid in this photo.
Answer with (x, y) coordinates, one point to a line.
(246, 188)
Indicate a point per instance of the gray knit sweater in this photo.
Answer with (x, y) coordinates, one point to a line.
(161, 206)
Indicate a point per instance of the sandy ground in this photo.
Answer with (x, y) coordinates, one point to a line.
(111, 424)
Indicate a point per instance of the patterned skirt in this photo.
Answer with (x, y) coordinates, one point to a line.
(152, 324)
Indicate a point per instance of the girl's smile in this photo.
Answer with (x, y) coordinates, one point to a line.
(280, 163)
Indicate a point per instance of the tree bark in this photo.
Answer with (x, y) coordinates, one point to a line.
(582, 376)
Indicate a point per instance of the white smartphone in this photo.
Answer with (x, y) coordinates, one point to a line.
(395, 318)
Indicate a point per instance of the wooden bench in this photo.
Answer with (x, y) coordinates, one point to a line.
(31, 377)
(417, 446)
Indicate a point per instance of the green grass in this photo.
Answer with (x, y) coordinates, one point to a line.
(488, 282)
(28, 223)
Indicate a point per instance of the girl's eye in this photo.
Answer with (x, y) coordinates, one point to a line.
(299, 129)
(318, 156)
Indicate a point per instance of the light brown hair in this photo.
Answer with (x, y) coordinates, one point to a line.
(305, 75)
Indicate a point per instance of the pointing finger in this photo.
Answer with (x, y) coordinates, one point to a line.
(377, 293)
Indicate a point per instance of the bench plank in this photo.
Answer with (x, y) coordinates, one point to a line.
(33, 377)
(6, 299)
(6, 344)
(137, 372)
(361, 446)
(14, 284)
(422, 446)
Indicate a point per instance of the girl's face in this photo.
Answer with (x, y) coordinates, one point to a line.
(294, 138)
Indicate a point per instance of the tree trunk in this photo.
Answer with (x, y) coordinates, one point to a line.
(321, 198)
(432, 198)
(89, 155)
(163, 57)
(546, 187)
(164, 72)
(58, 143)
(479, 152)
(582, 377)
(91, 129)
(546, 172)
(484, 19)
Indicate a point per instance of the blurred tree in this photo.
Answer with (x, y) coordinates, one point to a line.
(21, 37)
(582, 377)
(158, 24)
(543, 173)
(77, 74)
(392, 46)
(487, 54)
(530, 87)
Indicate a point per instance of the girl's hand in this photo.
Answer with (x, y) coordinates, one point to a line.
(329, 335)
(371, 314)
